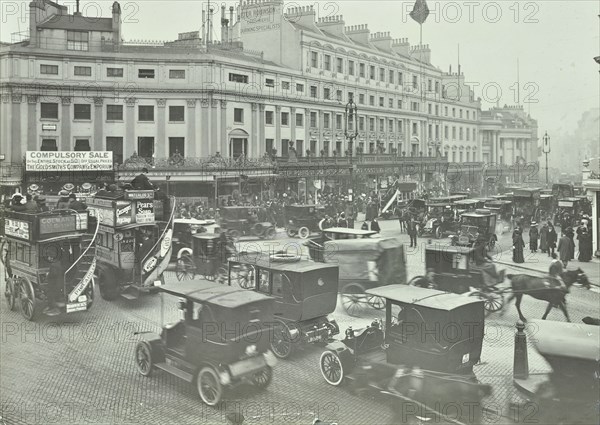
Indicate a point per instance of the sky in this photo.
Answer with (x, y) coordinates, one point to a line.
(549, 44)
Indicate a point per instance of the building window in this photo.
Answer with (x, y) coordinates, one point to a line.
(445, 111)
(381, 101)
(414, 106)
(460, 113)
(351, 67)
(49, 111)
(468, 114)
(414, 129)
(78, 40)
(327, 63)
(313, 119)
(400, 78)
(453, 133)
(391, 126)
(340, 65)
(238, 115)
(391, 103)
(314, 59)
(399, 104)
(391, 76)
(338, 122)
(83, 71)
(454, 112)
(313, 91)
(361, 124)
(49, 145)
(400, 126)
(429, 85)
(437, 110)
(176, 113)
(269, 146)
(285, 85)
(269, 82)
(361, 99)
(82, 111)
(339, 95)
(371, 124)
(382, 74)
(114, 112)
(361, 70)
(350, 96)
(238, 78)
(327, 94)
(285, 118)
(326, 123)
(299, 120)
(468, 135)
(474, 134)
(415, 82)
(146, 73)
(145, 113)
(115, 144)
(437, 86)
(430, 131)
(372, 72)
(381, 125)
(429, 108)
(146, 147)
(300, 88)
(446, 132)
(460, 133)
(269, 117)
(437, 132)
(114, 72)
(372, 100)
(176, 146)
(453, 156)
(82, 145)
(177, 74)
(49, 69)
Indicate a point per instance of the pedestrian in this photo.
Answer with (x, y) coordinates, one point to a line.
(552, 239)
(544, 238)
(412, 233)
(75, 204)
(564, 249)
(342, 222)
(585, 246)
(533, 237)
(571, 235)
(375, 226)
(518, 246)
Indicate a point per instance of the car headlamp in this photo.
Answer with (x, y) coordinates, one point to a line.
(251, 350)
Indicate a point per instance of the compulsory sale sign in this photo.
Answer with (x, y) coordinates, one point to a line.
(69, 161)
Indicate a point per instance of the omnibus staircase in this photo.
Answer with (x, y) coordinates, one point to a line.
(80, 268)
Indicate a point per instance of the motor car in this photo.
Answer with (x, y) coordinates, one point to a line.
(302, 220)
(246, 221)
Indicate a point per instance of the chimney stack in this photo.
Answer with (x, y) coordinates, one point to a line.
(358, 33)
(382, 40)
(332, 24)
(401, 46)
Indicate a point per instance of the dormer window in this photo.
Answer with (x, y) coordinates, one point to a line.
(78, 40)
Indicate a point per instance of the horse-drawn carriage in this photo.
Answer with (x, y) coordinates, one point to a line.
(207, 257)
(185, 228)
(405, 360)
(363, 263)
(568, 212)
(246, 221)
(504, 212)
(477, 225)
(526, 203)
(49, 260)
(302, 220)
(134, 245)
(220, 342)
(305, 293)
(441, 220)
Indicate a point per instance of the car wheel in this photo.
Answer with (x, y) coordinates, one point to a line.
(303, 232)
(378, 303)
(234, 234)
(262, 379)
(291, 233)
(438, 232)
(27, 299)
(9, 294)
(143, 358)
(185, 268)
(270, 233)
(244, 276)
(108, 285)
(492, 301)
(281, 343)
(331, 368)
(209, 386)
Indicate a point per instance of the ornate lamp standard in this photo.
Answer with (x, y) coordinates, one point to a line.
(546, 151)
(351, 133)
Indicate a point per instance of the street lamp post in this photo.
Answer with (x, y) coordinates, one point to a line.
(351, 132)
(546, 151)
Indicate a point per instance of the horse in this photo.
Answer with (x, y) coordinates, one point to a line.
(538, 288)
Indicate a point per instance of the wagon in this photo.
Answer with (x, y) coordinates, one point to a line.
(364, 263)
(568, 211)
(184, 228)
(219, 343)
(246, 221)
(208, 258)
(302, 220)
(526, 203)
(407, 361)
(503, 209)
(49, 258)
(305, 293)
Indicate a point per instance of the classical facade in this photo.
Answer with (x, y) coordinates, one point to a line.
(277, 80)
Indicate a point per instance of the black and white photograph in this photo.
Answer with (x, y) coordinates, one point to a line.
(299, 212)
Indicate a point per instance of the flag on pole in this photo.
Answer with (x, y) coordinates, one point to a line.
(420, 11)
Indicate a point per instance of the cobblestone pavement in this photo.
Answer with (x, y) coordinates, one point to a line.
(79, 368)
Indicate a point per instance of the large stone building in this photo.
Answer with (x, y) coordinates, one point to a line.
(276, 80)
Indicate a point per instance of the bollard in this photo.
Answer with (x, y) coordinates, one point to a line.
(521, 364)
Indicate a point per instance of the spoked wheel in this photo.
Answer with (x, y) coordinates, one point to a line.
(262, 379)
(281, 343)
(27, 299)
(377, 303)
(221, 276)
(143, 358)
(303, 232)
(331, 368)
(244, 276)
(492, 301)
(185, 268)
(10, 294)
(354, 299)
(291, 233)
(209, 386)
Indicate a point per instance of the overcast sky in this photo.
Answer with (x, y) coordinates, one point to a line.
(554, 42)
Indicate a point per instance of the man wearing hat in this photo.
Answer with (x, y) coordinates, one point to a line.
(16, 202)
(534, 235)
(63, 201)
(31, 206)
(75, 204)
(41, 203)
(142, 182)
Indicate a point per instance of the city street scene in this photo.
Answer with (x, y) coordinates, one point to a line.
(269, 212)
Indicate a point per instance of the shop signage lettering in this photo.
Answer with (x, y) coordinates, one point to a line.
(16, 228)
(57, 224)
(123, 210)
(139, 194)
(69, 161)
(144, 212)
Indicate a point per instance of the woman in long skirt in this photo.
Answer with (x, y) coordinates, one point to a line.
(544, 238)
(585, 246)
(518, 246)
(533, 237)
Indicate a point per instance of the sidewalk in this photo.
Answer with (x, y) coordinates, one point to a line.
(539, 262)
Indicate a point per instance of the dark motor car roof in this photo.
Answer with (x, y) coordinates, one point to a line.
(423, 297)
(475, 214)
(456, 249)
(214, 294)
(570, 199)
(570, 340)
(263, 261)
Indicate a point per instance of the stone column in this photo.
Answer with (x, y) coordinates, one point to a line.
(98, 142)
(64, 144)
(32, 124)
(190, 142)
(261, 147)
(130, 143)
(206, 146)
(293, 127)
(253, 148)
(307, 131)
(214, 124)
(277, 142)
(223, 122)
(161, 131)
(5, 128)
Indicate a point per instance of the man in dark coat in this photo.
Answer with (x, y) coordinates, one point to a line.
(544, 238)
(571, 235)
(142, 182)
(375, 226)
(412, 232)
(75, 204)
(585, 246)
(31, 206)
(518, 246)
(552, 239)
(533, 237)
(565, 248)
